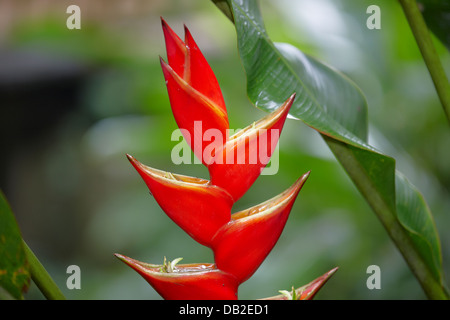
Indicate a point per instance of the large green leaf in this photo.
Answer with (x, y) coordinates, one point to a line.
(14, 270)
(333, 105)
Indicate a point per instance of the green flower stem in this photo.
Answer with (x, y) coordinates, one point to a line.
(432, 287)
(429, 53)
(41, 277)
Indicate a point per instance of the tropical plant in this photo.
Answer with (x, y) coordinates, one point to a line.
(326, 101)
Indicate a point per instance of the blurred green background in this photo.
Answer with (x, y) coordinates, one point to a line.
(74, 102)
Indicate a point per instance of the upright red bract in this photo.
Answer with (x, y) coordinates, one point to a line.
(202, 208)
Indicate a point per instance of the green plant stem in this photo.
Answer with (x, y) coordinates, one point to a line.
(41, 277)
(431, 286)
(429, 53)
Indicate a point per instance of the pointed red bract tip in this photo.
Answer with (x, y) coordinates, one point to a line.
(201, 76)
(306, 292)
(309, 291)
(175, 48)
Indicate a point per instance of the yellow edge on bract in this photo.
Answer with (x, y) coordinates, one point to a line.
(198, 95)
(273, 204)
(155, 269)
(168, 176)
(263, 123)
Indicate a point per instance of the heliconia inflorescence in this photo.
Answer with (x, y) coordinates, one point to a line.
(203, 208)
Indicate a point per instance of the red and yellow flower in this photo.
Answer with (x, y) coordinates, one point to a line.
(203, 208)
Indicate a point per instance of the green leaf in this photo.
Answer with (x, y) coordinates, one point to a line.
(415, 217)
(333, 105)
(14, 269)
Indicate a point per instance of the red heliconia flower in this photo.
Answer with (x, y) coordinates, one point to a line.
(194, 204)
(202, 208)
(199, 281)
(242, 245)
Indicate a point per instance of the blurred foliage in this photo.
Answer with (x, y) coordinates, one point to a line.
(73, 102)
(437, 16)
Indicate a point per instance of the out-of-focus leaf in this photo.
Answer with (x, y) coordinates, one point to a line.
(437, 16)
(331, 104)
(14, 272)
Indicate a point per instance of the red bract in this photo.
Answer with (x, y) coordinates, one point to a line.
(186, 59)
(194, 204)
(202, 208)
(240, 161)
(243, 244)
(199, 281)
(194, 93)
(235, 162)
